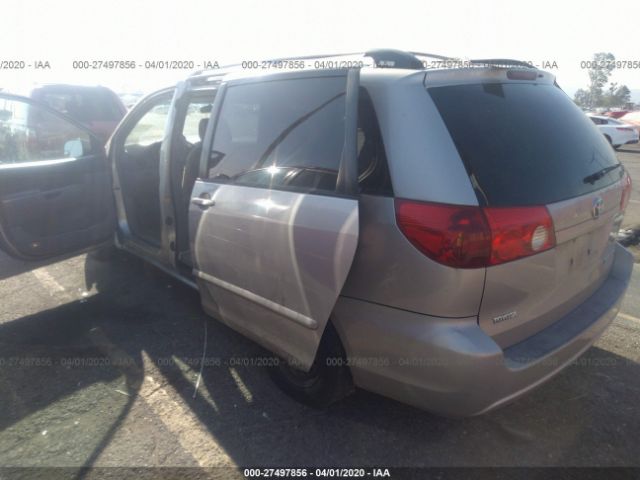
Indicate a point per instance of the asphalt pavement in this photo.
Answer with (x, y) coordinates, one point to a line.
(99, 361)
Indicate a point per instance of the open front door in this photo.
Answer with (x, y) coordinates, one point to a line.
(274, 217)
(55, 184)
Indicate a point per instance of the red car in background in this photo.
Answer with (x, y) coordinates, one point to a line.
(616, 113)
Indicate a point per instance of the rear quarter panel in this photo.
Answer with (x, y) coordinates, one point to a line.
(389, 270)
(424, 163)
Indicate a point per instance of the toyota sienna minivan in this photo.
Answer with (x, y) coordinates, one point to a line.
(442, 236)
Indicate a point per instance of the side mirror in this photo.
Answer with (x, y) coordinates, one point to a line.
(74, 148)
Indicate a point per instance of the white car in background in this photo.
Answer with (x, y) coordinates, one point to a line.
(616, 132)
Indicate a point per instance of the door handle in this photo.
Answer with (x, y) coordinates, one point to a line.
(203, 202)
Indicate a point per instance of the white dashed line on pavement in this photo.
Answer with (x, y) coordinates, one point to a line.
(626, 316)
(51, 284)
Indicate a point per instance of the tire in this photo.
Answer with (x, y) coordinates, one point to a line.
(608, 139)
(105, 254)
(325, 383)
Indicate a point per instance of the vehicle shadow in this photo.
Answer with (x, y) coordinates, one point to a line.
(10, 267)
(628, 150)
(142, 324)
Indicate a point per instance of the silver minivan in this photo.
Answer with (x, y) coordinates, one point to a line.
(442, 236)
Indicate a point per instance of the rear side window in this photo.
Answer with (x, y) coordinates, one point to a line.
(373, 170)
(286, 134)
(524, 144)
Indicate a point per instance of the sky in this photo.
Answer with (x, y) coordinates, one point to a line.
(60, 32)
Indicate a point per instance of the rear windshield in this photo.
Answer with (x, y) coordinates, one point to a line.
(524, 144)
(84, 105)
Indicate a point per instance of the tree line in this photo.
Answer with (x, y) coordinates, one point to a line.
(598, 94)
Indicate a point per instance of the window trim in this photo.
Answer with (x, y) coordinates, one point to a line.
(182, 105)
(135, 115)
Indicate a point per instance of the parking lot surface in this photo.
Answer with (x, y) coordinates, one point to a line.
(99, 360)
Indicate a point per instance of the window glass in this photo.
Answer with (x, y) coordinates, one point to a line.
(373, 171)
(30, 133)
(196, 120)
(281, 134)
(524, 143)
(150, 128)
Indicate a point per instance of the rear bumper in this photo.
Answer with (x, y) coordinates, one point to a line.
(451, 367)
(632, 142)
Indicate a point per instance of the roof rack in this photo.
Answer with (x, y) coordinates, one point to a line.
(503, 62)
(433, 55)
(234, 66)
(382, 58)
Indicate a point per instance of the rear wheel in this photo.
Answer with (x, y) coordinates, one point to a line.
(104, 254)
(329, 379)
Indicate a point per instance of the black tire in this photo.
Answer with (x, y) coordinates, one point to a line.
(105, 253)
(329, 379)
(608, 139)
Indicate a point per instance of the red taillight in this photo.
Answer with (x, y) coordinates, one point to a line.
(472, 237)
(519, 232)
(624, 129)
(457, 236)
(626, 192)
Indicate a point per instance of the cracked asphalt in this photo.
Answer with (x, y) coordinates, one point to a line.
(99, 361)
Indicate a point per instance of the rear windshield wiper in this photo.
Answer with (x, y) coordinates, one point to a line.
(594, 177)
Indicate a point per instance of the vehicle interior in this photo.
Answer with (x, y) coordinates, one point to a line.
(137, 158)
(186, 148)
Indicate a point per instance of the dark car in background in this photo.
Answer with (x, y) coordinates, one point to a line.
(97, 107)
